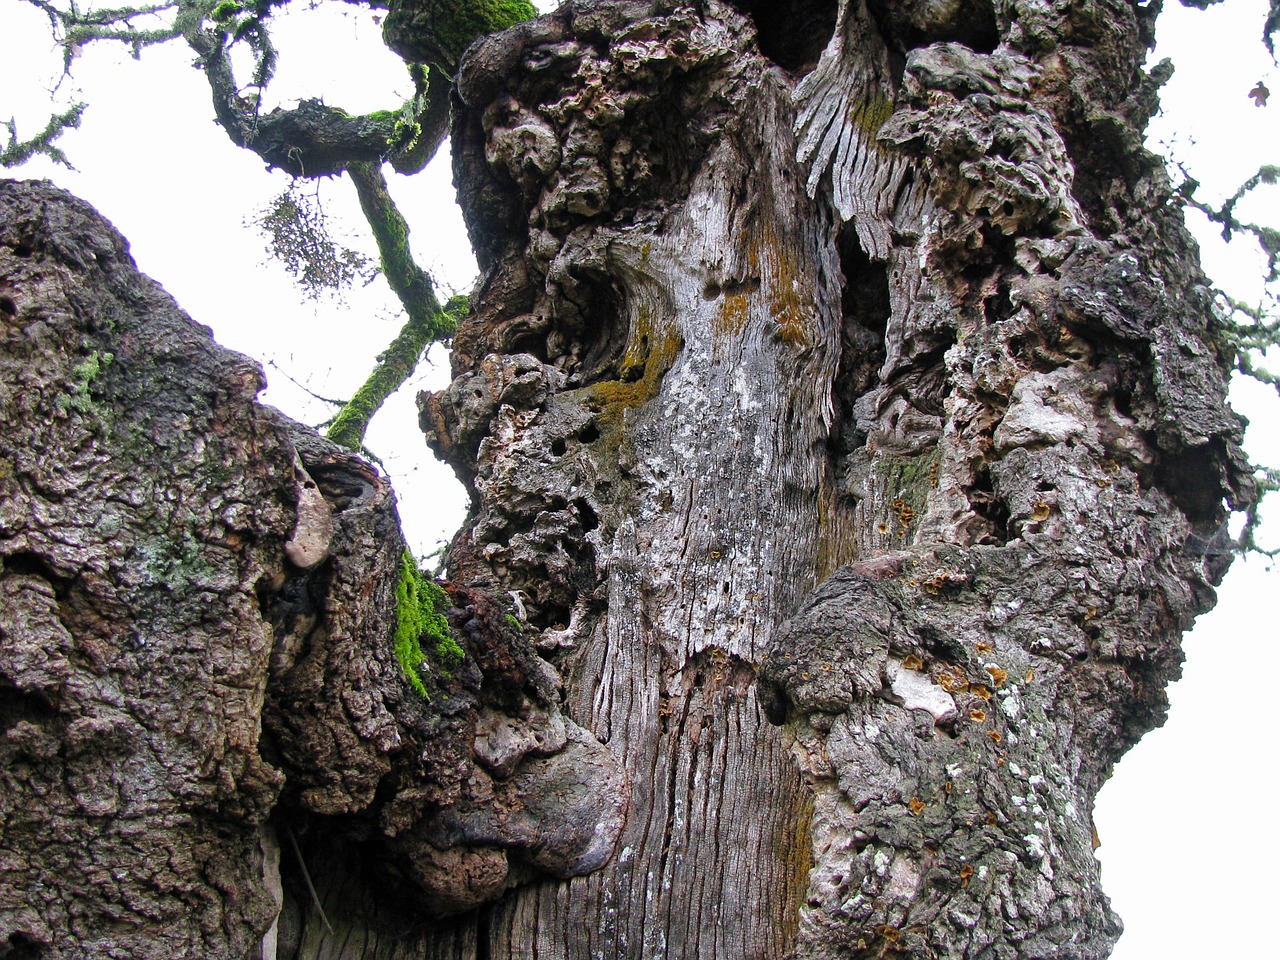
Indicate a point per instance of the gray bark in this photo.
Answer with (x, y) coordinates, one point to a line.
(842, 405)
(770, 291)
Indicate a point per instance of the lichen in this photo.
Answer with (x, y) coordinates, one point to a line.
(419, 601)
(732, 318)
(799, 846)
(787, 306)
(649, 355)
(870, 115)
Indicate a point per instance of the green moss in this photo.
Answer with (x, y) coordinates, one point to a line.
(225, 11)
(419, 601)
(870, 115)
(907, 484)
(458, 22)
(84, 373)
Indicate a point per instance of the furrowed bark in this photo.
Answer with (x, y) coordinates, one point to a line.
(882, 300)
(844, 417)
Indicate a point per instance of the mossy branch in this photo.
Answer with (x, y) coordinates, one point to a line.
(438, 31)
(1268, 238)
(427, 321)
(18, 152)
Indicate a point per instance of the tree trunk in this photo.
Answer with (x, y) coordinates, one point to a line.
(775, 288)
(844, 417)
(207, 730)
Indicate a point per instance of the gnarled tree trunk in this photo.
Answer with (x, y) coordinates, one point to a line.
(848, 446)
(772, 288)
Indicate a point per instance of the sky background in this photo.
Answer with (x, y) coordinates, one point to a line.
(1189, 854)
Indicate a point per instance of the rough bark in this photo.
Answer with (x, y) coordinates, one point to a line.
(196, 656)
(884, 300)
(840, 405)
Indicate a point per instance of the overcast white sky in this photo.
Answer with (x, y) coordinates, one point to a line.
(1189, 855)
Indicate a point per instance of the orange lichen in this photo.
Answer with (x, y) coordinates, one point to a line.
(649, 355)
(912, 662)
(797, 839)
(888, 933)
(940, 580)
(789, 307)
(998, 676)
(731, 319)
(916, 806)
(953, 682)
(904, 511)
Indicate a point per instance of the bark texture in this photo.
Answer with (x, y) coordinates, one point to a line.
(846, 432)
(845, 366)
(199, 599)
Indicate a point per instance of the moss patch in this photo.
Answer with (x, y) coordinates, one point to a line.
(870, 115)
(84, 373)
(419, 601)
(907, 484)
(457, 22)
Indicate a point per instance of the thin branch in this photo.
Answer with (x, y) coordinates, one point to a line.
(303, 387)
(18, 152)
(306, 875)
(1268, 238)
(427, 321)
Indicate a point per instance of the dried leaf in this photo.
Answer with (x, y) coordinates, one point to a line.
(1259, 94)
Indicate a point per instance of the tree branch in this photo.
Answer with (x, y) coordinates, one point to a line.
(427, 321)
(18, 152)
